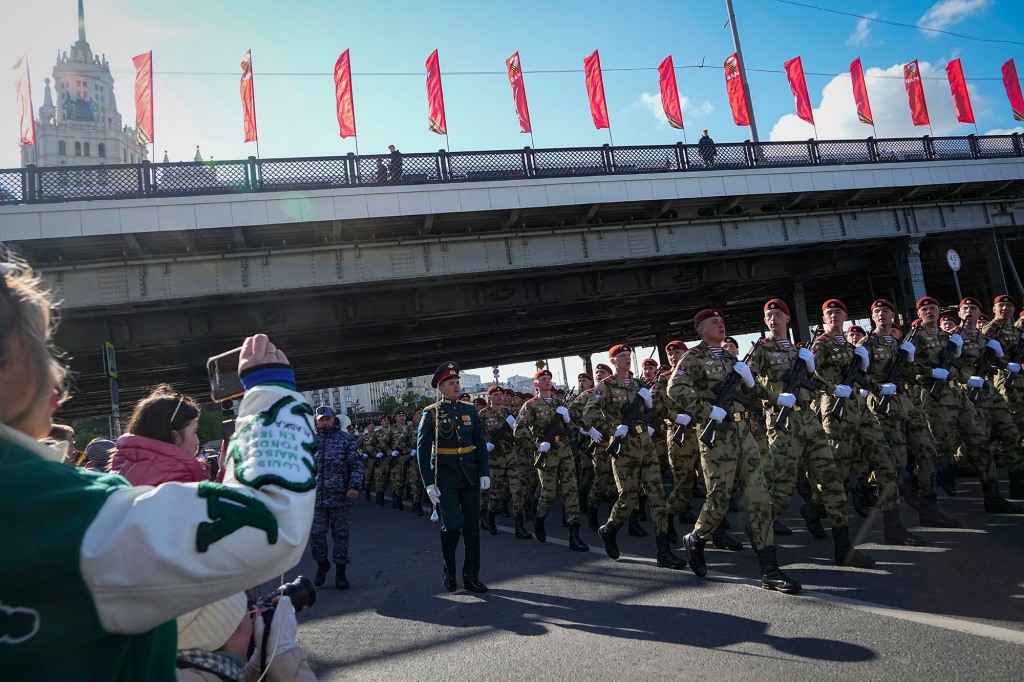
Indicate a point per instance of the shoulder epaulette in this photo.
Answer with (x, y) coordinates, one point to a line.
(764, 341)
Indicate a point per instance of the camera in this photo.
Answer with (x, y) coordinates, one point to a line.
(225, 383)
(300, 591)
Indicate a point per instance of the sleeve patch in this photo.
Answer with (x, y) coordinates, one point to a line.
(230, 510)
(275, 447)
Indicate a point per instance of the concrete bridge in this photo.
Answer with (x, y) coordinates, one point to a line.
(499, 260)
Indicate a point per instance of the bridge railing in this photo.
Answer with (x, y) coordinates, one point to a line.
(76, 183)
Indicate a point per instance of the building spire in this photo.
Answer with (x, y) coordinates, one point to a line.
(81, 21)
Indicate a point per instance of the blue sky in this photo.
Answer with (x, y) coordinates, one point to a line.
(197, 48)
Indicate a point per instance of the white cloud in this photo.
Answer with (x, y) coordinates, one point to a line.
(836, 115)
(652, 102)
(946, 13)
(862, 30)
(1006, 131)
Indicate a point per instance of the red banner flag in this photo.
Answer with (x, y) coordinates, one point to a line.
(435, 96)
(734, 85)
(515, 79)
(860, 93)
(595, 90)
(143, 97)
(798, 85)
(23, 90)
(915, 94)
(1012, 84)
(670, 93)
(343, 95)
(958, 87)
(248, 98)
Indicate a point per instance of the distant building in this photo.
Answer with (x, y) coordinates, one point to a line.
(84, 127)
(344, 399)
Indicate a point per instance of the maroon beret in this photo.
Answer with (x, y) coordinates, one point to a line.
(619, 348)
(857, 328)
(926, 300)
(706, 314)
(650, 362)
(883, 303)
(541, 373)
(605, 367)
(970, 300)
(777, 304)
(675, 344)
(1004, 298)
(832, 304)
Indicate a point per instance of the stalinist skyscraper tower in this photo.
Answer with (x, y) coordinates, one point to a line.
(84, 128)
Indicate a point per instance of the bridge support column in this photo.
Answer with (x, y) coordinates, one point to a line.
(588, 365)
(660, 341)
(911, 275)
(800, 323)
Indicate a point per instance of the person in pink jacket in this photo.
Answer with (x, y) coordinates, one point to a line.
(161, 442)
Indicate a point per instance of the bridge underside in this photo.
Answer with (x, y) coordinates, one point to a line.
(356, 332)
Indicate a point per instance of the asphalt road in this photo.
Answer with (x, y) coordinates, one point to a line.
(953, 610)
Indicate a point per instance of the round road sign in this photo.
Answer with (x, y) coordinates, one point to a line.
(953, 258)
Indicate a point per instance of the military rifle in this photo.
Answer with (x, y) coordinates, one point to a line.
(631, 414)
(1018, 357)
(795, 379)
(502, 433)
(947, 359)
(897, 371)
(983, 369)
(853, 376)
(727, 391)
(554, 428)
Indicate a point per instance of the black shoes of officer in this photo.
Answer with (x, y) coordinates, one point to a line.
(996, 503)
(780, 528)
(474, 586)
(491, 527)
(380, 499)
(665, 557)
(930, 516)
(448, 579)
(895, 534)
(417, 508)
(321, 573)
(575, 544)
(846, 555)
(772, 577)
(340, 581)
(812, 518)
(521, 532)
(695, 551)
(722, 540)
(538, 528)
(634, 526)
(607, 533)
(592, 517)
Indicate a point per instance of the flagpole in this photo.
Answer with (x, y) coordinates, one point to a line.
(532, 145)
(610, 141)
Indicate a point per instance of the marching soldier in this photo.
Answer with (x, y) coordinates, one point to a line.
(1008, 381)
(733, 454)
(585, 466)
(367, 447)
(501, 446)
(603, 489)
(682, 457)
(452, 456)
(549, 424)
(386, 458)
(634, 462)
(403, 441)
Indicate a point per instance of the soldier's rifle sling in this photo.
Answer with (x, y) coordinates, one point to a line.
(897, 371)
(726, 392)
(631, 413)
(983, 369)
(853, 376)
(947, 359)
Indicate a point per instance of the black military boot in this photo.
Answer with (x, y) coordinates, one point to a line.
(803, 488)
(607, 533)
(722, 540)
(592, 517)
(1016, 485)
(687, 516)
(491, 526)
(417, 507)
(505, 510)
(996, 503)
(575, 544)
(772, 577)
(931, 517)
(779, 528)
(565, 519)
(340, 581)
(909, 487)
(529, 508)
(367, 494)
(846, 554)
(862, 496)
(380, 498)
(673, 535)
(666, 559)
(895, 534)
(750, 537)
(538, 528)
(813, 520)
(321, 572)
(396, 500)
(521, 533)
(945, 478)
(634, 526)
(641, 508)
(695, 550)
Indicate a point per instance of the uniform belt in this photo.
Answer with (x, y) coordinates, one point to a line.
(739, 416)
(639, 427)
(464, 450)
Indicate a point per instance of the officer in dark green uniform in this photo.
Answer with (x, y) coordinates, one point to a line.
(452, 454)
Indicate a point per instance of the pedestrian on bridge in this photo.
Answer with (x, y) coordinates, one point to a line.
(706, 149)
(395, 166)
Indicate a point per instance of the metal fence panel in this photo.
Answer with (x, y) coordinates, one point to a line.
(68, 183)
(904, 149)
(560, 163)
(839, 152)
(952, 147)
(11, 183)
(217, 177)
(413, 169)
(996, 146)
(307, 173)
(647, 159)
(474, 166)
(782, 154)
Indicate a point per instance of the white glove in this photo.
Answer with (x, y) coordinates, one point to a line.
(564, 411)
(490, 446)
(645, 393)
(786, 400)
(414, 452)
(544, 447)
(865, 357)
(433, 493)
(511, 421)
(975, 382)
(595, 435)
(958, 341)
(283, 628)
(940, 374)
(683, 419)
(863, 393)
(994, 345)
(394, 453)
(842, 391)
(365, 456)
(717, 413)
(807, 356)
(379, 455)
(744, 372)
(650, 430)
(1013, 367)
(887, 389)
(620, 431)
(909, 349)
(485, 483)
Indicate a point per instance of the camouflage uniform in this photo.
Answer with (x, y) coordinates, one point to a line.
(338, 470)
(992, 412)
(734, 455)
(405, 469)
(369, 454)
(682, 459)
(556, 469)
(505, 483)
(382, 443)
(1011, 388)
